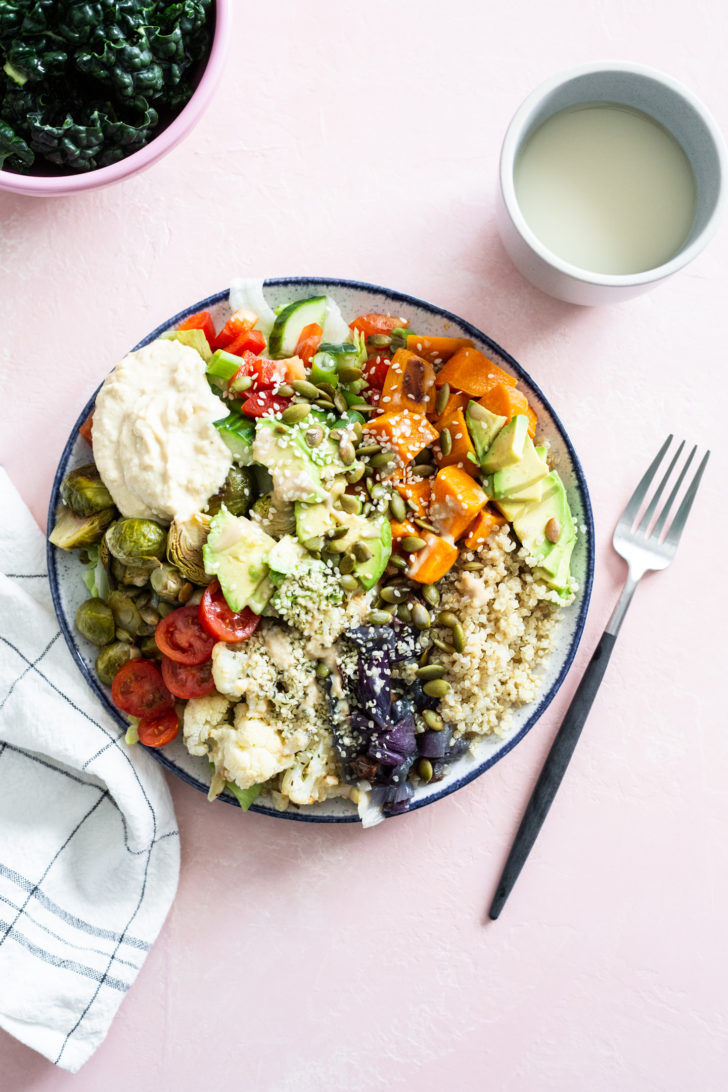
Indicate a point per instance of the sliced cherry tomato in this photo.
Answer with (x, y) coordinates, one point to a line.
(220, 621)
(201, 321)
(188, 680)
(138, 689)
(240, 322)
(86, 427)
(253, 341)
(180, 636)
(263, 403)
(377, 324)
(308, 342)
(375, 371)
(156, 731)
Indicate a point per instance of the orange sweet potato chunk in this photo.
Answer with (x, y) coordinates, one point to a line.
(481, 527)
(471, 371)
(427, 566)
(456, 500)
(409, 384)
(406, 433)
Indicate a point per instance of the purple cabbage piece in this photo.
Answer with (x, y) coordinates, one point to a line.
(393, 799)
(374, 691)
(434, 744)
(406, 642)
(372, 638)
(395, 746)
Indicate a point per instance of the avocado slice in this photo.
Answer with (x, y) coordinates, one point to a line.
(483, 427)
(194, 338)
(258, 601)
(521, 480)
(507, 447)
(530, 526)
(236, 553)
(289, 460)
(369, 572)
(313, 520)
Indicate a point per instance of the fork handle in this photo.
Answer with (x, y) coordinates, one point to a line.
(553, 770)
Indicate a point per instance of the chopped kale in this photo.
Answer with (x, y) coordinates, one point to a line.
(84, 84)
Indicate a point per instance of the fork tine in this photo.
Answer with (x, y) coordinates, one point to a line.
(660, 521)
(652, 506)
(633, 506)
(676, 527)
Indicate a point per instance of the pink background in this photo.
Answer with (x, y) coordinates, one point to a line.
(362, 141)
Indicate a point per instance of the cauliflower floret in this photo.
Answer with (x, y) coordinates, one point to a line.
(242, 670)
(251, 752)
(201, 717)
(312, 777)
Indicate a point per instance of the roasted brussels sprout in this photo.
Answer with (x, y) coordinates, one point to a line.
(72, 532)
(167, 582)
(95, 621)
(184, 547)
(277, 520)
(148, 648)
(112, 657)
(236, 494)
(138, 543)
(125, 612)
(84, 493)
(133, 578)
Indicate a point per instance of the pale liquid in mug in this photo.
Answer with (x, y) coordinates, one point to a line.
(607, 188)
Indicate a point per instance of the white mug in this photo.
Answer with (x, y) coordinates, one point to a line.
(661, 98)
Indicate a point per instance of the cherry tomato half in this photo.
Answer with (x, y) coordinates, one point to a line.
(156, 731)
(377, 324)
(220, 621)
(180, 636)
(263, 403)
(188, 680)
(375, 371)
(138, 689)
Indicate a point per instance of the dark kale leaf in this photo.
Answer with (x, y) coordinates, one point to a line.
(14, 152)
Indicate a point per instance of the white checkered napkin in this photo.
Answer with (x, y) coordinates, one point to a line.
(89, 847)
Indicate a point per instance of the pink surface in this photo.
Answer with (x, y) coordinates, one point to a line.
(363, 142)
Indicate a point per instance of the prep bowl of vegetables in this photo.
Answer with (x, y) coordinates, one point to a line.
(92, 93)
(325, 549)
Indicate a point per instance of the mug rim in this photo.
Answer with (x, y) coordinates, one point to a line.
(512, 143)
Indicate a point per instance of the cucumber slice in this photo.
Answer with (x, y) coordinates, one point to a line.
(238, 433)
(291, 321)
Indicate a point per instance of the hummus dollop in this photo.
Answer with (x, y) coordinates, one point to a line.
(154, 442)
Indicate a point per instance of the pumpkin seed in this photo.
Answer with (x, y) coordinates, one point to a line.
(393, 594)
(433, 720)
(335, 545)
(237, 386)
(338, 532)
(324, 404)
(346, 451)
(295, 414)
(397, 561)
(185, 592)
(314, 544)
(398, 508)
(326, 388)
(412, 505)
(424, 470)
(431, 594)
(356, 474)
(430, 671)
(425, 525)
(149, 615)
(306, 389)
(314, 436)
(286, 390)
(346, 565)
(404, 613)
(411, 544)
(350, 373)
(356, 430)
(368, 449)
(442, 645)
(472, 566)
(423, 457)
(424, 769)
(458, 638)
(443, 397)
(350, 504)
(340, 402)
(379, 618)
(437, 688)
(361, 551)
(363, 407)
(420, 616)
(322, 670)
(384, 458)
(379, 341)
(553, 530)
(447, 618)
(349, 582)
(446, 441)
(335, 434)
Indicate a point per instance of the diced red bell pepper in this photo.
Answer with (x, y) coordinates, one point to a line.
(308, 342)
(240, 322)
(377, 324)
(264, 403)
(251, 341)
(201, 321)
(375, 371)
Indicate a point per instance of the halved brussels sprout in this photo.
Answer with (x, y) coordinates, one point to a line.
(125, 612)
(167, 582)
(236, 494)
(138, 543)
(72, 532)
(112, 657)
(277, 520)
(83, 491)
(184, 547)
(95, 621)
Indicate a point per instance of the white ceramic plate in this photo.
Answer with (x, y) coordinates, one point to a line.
(355, 298)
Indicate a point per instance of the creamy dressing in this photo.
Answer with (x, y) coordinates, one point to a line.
(474, 589)
(154, 442)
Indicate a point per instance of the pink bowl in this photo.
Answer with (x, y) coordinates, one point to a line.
(58, 185)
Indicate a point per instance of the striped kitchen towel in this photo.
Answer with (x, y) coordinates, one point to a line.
(89, 846)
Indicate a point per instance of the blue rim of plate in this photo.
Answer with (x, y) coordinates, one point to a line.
(476, 334)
